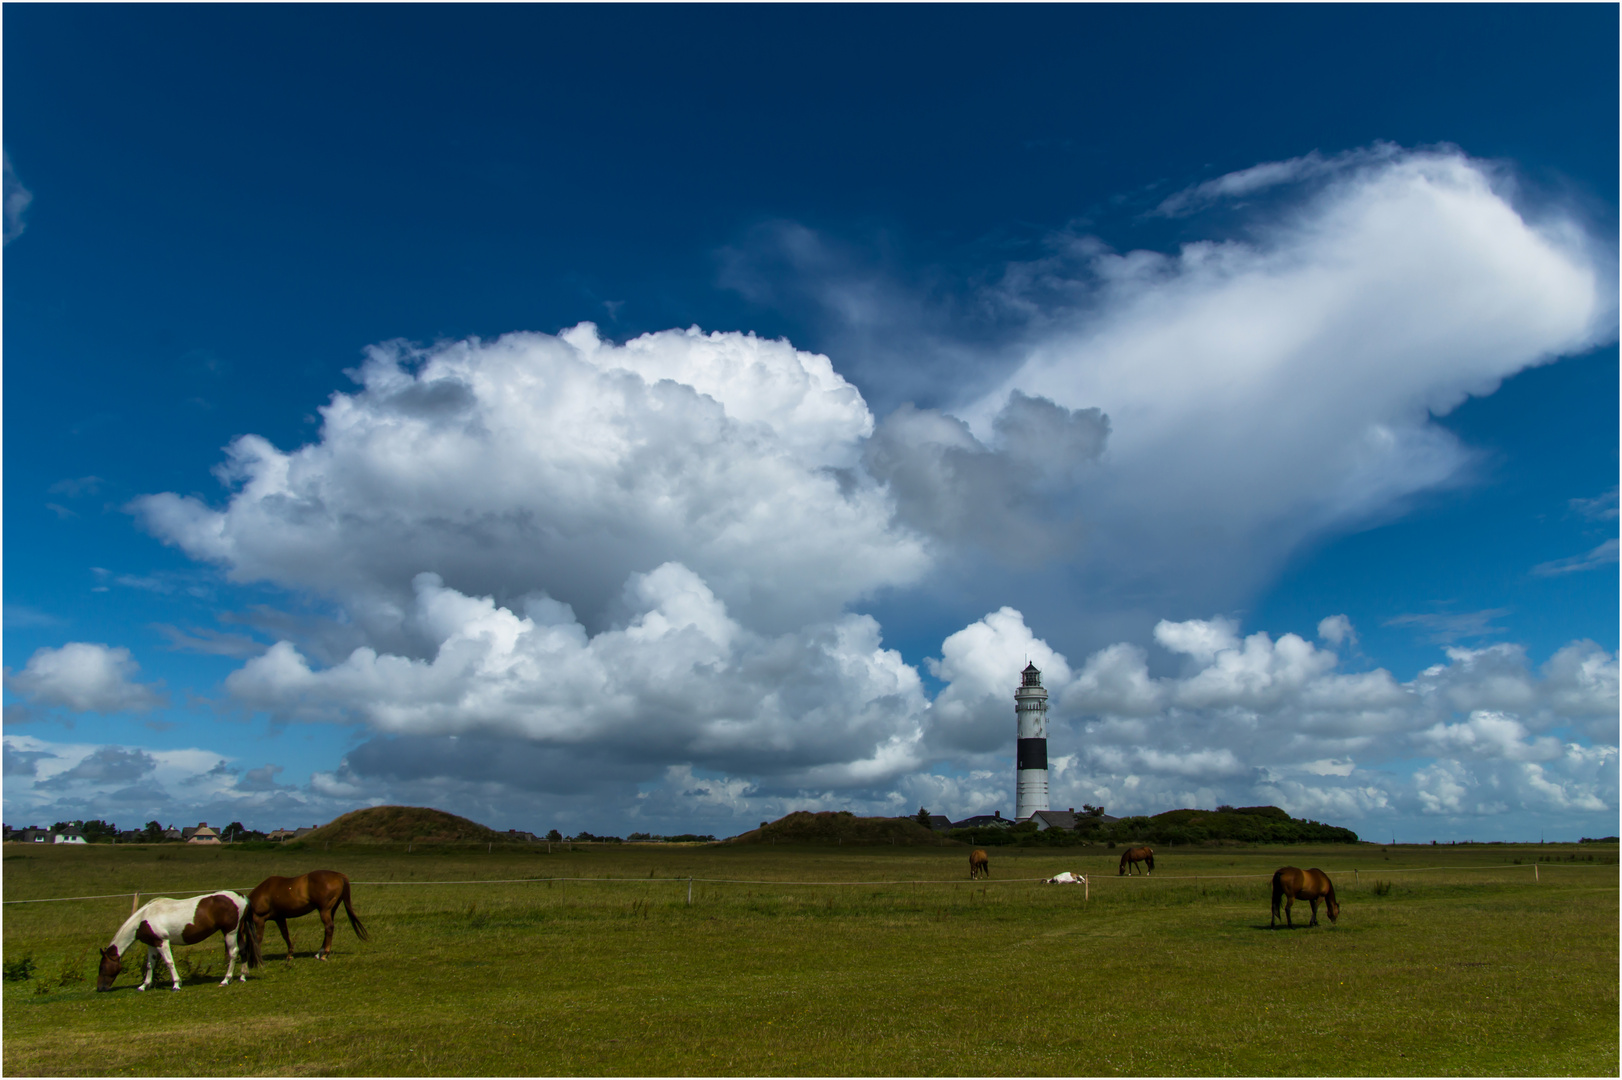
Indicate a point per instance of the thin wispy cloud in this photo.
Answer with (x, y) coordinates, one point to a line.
(1603, 555)
(17, 198)
(1446, 627)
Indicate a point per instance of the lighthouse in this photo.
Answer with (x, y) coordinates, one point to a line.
(1031, 768)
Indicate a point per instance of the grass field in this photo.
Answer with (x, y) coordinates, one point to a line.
(1446, 960)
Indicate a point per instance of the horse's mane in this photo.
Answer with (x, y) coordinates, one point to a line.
(126, 933)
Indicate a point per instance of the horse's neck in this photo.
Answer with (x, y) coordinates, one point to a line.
(126, 933)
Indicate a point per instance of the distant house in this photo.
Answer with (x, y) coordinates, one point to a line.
(172, 833)
(202, 834)
(940, 822)
(68, 836)
(288, 834)
(520, 834)
(1055, 819)
(32, 836)
(993, 820)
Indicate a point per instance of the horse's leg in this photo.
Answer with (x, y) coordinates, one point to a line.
(1314, 903)
(281, 924)
(326, 941)
(230, 957)
(169, 958)
(1289, 907)
(151, 966)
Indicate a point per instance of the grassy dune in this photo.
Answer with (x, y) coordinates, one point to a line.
(1443, 961)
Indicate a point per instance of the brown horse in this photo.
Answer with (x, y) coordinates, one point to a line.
(1291, 884)
(1131, 857)
(979, 863)
(280, 899)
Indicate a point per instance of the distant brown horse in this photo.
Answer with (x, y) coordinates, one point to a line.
(280, 899)
(979, 863)
(1132, 856)
(1291, 884)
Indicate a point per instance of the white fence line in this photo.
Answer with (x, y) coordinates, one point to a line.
(860, 884)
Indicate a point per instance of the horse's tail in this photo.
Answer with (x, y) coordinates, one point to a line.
(248, 948)
(1278, 892)
(1149, 857)
(354, 920)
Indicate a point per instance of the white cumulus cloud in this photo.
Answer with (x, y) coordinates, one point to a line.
(826, 706)
(1265, 390)
(86, 677)
(562, 465)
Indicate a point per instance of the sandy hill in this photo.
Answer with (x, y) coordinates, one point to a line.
(397, 824)
(840, 826)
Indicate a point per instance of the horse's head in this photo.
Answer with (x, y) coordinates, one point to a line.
(1332, 906)
(111, 965)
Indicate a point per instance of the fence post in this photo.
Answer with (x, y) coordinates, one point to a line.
(689, 892)
(135, 902)
(1535, 872)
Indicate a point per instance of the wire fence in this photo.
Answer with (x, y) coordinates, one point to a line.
(695, 880)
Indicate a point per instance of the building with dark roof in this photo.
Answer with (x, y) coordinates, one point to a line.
(994, 820)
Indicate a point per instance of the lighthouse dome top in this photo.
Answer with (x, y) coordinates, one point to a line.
(1032, 677)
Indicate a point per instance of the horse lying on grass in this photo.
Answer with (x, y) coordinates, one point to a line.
(160, 921)
(1291, 884)
(279, 899)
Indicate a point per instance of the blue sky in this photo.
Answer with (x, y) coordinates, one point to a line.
(658, 419)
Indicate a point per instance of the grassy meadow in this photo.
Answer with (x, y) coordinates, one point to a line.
(1445, 960)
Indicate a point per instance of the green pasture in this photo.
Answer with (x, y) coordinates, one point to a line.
(1446, 960)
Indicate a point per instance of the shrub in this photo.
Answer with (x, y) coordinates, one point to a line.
(72, 970)
(20, 970)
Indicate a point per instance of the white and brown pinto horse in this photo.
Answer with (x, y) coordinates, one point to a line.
(161, 921)
(1291, 884)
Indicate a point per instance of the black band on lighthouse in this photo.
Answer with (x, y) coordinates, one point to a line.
(1033, 754)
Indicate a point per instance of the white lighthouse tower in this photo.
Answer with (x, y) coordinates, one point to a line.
(1031, 768)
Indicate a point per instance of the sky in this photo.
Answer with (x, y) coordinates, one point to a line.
(660, 419)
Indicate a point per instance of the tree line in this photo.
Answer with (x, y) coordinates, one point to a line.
(1245, 825)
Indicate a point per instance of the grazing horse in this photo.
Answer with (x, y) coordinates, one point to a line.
(1291, 884)
(160, 921)
(979, 863)
(1131, 857)
(280, 899)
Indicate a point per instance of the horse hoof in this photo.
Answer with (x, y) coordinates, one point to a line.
(140, 988)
